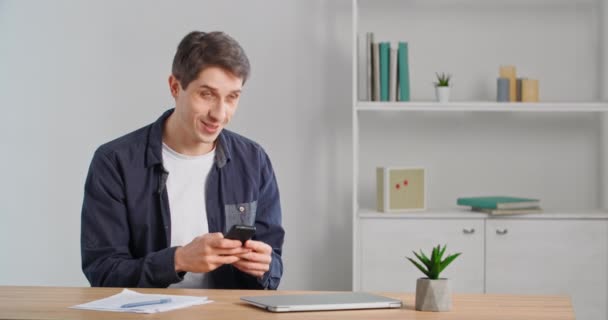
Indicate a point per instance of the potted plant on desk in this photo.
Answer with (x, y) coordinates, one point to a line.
(433, 293)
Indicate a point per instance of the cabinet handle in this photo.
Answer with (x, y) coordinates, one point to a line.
(501, 232)
(468, 231)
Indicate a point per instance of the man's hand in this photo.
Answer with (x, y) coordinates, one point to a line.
(256, 262)
(207, 253)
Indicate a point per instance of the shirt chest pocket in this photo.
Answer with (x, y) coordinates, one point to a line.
(240, 213)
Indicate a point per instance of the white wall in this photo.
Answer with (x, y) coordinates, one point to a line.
(75, 74)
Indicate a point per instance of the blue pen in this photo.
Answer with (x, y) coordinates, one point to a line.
(146, 303)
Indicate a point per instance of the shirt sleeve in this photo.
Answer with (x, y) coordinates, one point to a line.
(268, 227)
(105, 233)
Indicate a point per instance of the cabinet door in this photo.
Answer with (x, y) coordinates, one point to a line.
(385, 244)
(554, 257)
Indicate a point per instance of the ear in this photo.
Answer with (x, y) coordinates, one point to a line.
(174, 86)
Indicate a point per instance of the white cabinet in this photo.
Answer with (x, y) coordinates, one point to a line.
(386, 242)
(549, 254)
(553, 257)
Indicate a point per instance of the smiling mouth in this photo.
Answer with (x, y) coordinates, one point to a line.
(209, 128)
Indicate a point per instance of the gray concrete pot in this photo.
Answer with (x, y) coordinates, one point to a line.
(433, 295)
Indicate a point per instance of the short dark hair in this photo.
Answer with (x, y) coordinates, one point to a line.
(199, 50)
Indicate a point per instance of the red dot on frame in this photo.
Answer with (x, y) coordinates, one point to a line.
(397, 186)
(405, 182)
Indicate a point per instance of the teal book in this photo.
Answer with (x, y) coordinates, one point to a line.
(404, 72)
(496, 212)
(499, 202)
(385, 55)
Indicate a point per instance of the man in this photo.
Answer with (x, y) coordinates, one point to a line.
(158, 200)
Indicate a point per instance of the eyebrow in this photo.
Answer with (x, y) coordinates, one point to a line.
(215, 89)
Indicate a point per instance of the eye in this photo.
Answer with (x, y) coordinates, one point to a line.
(206, 94)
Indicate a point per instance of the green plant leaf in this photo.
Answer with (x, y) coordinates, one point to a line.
(434, 272)
(448, 260)
(443, 80)
(442, 251)
(434, 265)
(419, 266)
(424, 259)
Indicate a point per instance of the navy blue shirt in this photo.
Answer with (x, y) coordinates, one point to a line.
(126, 224)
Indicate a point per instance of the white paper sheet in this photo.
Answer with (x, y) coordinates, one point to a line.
(114, 303)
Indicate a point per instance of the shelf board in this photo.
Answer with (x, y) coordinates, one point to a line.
(483, 106)
(463, 213)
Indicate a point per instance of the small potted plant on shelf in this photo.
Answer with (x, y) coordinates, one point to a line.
(442, 87)
(433, 293)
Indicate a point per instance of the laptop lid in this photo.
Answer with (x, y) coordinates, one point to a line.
(322, 301)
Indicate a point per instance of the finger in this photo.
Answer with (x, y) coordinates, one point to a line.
(243, 267)
(214, 235)
(256, 257)
(223, 259)
(232, 252)
(258, 246)
(252, 266)
(221, 243)
(255, 273)
(212, 238)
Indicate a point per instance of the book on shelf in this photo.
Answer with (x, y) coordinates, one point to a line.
(368, 59)
(362, 59)
(385, 58)
(382, 69)
(375, 71)
(499, 202)
(392, 91)
(508, 211)
(404, 72)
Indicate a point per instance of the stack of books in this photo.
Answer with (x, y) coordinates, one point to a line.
(383, 69)
(497, 205)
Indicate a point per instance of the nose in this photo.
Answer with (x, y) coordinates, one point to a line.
(218, 111)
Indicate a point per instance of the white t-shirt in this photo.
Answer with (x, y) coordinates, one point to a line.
(186, 190)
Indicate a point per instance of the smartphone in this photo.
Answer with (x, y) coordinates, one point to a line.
(240, 232)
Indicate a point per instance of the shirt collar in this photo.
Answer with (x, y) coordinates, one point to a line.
(154, 146)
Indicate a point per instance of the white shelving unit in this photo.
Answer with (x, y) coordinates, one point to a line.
(554, 149)
(483, 106)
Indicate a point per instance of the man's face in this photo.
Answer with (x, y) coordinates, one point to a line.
(206, 106)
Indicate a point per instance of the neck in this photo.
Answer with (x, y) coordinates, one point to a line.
(177, 139)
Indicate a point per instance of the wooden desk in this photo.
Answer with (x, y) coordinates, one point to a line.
(53, 303)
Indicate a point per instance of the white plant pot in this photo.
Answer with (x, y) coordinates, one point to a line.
(433, 295)
(442, 94)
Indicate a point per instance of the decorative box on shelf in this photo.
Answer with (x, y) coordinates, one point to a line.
(401, 189)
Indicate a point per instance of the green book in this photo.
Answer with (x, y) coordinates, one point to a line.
(385, 54)
(404, 72)
(499, 202)
(496, 212)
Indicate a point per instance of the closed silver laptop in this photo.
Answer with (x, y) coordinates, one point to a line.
(322, 301)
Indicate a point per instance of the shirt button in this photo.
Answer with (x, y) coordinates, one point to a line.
(242, 209)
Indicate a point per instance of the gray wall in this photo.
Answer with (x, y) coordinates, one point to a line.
(75, 74)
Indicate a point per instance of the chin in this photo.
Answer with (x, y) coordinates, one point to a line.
(208, 138)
